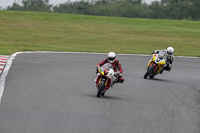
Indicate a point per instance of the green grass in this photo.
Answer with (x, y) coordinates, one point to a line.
(35, 31)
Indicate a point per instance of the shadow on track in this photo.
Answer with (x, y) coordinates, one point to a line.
(112, 97)
(106, 97)
(156, 79)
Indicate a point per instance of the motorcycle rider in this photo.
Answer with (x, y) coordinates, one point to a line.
(116, 67)
(169, 56)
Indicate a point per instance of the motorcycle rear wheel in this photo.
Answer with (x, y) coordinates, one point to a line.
(150, 70)
(101, 88)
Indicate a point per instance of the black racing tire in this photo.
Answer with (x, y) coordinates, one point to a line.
(150, 70)
(152, 76)
(101, 88)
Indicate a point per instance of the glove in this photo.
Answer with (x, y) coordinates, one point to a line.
(155, 52)
(97, 69)
(167, 63)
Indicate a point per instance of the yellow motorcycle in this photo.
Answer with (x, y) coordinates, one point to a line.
(155, 65)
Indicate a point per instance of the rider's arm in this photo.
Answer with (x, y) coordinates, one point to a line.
(155, 52)
(172, 59)
(101, 63)
(119, 67)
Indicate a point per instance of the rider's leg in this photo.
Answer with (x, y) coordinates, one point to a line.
(119, 79)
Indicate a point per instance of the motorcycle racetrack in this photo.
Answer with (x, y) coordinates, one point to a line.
(55, 93)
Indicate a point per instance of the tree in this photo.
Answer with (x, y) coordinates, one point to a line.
(194, 9)
(32, 5)
(15, 6)
(36, 5)
(181, 9)
(166, 9)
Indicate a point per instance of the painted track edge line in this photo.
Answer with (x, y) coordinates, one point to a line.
(5, 72)
(98, 53)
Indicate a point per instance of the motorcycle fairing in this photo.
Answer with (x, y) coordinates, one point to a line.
(158, 65)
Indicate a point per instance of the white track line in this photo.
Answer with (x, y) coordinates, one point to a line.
(4, 74)
(96, 53)
(12, 57)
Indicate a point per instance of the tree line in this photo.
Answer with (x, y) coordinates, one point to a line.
(164, 9)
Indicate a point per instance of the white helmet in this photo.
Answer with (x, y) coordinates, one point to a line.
(170, 50)
(111, 57)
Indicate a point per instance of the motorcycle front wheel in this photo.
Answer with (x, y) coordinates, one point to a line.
(150, 70)
(101, 88)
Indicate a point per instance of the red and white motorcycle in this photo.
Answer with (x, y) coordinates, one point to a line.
(106, 72)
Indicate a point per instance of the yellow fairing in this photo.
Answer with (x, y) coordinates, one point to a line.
(154, 57)
(102, 72)
(149, 63)
(158, 70)
(162, 63)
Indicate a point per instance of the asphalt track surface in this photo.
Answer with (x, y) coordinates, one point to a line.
(56, 93)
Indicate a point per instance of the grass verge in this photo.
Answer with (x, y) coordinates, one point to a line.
(36, 31)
